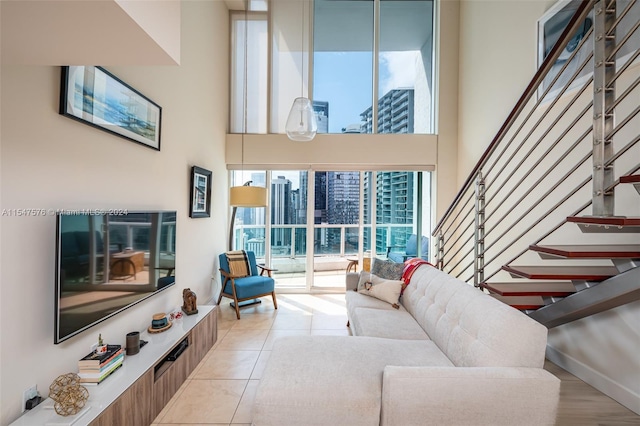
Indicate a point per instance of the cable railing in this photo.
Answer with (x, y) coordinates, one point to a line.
(571, 135)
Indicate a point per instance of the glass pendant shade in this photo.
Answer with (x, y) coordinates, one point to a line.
(248, 196)
(301, 124)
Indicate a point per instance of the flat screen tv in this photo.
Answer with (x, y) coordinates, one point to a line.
(106, 263)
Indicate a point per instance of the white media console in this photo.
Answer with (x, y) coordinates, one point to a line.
(137, 392)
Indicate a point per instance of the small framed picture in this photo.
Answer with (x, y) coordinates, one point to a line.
(200, 205)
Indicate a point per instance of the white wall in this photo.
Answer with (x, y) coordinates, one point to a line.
(497, 60)
(50, 161)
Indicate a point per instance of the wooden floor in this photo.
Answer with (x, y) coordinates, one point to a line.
(583, 405)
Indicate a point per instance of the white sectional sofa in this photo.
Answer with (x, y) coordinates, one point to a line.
(451, 355)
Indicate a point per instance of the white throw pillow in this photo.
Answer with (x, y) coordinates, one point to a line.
(380, 288)
(364, 277)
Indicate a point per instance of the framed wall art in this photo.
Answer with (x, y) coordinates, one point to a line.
(96, 97)
(550, 28)
(552, 24)
(200, 205)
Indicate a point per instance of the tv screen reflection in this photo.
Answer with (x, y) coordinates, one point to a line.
(109, 262)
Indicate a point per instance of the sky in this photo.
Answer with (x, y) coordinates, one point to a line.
(345, 80)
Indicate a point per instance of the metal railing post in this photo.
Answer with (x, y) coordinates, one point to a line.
(603, 99)
(440, 251)
(478, 247)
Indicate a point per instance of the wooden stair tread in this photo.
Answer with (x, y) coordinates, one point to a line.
(601, 220)
(591, 251)
(521, 302)
(630, 179)
(586, 273)
(563, 288)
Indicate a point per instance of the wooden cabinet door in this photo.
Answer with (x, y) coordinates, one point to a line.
(169, 381)
(203, 336)
(133, 407)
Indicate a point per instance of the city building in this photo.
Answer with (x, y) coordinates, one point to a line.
(395, 113)
(394, 206)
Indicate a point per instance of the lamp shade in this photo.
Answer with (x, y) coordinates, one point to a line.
(301, 124)
(248, 196)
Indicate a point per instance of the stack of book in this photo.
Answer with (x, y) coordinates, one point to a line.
(95, 368)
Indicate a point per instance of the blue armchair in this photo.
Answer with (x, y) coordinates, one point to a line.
(246, 288)
(410, 251)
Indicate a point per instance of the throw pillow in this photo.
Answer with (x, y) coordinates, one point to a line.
(238, 263)
(387, 269)
(383, 289)
(364, 277)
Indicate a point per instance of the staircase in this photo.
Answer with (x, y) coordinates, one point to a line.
(554, 168)
(541, 299)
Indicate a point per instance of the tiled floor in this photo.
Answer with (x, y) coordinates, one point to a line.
(221, 389)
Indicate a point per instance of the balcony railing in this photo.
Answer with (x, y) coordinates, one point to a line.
(290, 241)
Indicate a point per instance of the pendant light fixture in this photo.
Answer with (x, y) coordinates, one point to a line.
(245, 195)
(302, 125)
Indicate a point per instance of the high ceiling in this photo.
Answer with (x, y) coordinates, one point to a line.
(105, 32)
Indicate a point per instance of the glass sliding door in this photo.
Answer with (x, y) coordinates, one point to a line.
(400, 215)
(320, 222)
(288, 208)
(336, 226)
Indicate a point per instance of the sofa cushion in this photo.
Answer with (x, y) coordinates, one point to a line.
(313, 380)
(388, 324)
(356, 300)
(470, 327)
(381, 288)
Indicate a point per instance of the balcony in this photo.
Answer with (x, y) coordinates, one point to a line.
(333, 246)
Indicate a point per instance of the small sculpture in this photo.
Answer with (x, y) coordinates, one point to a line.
(189, 298)
(69, 395)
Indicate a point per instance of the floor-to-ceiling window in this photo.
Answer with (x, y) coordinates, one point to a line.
(343, 61)
(336, 225)
(318, 221)
(366, 50)
(288, 205)
(367, 65)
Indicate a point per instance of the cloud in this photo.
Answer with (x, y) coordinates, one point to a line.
(397, 70)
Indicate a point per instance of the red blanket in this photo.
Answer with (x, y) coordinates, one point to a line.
(410, 266)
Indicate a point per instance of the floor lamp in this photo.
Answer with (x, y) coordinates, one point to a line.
(245, 196)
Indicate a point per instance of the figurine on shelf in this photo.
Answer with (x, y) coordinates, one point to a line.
(101, 348)
(189, 302)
